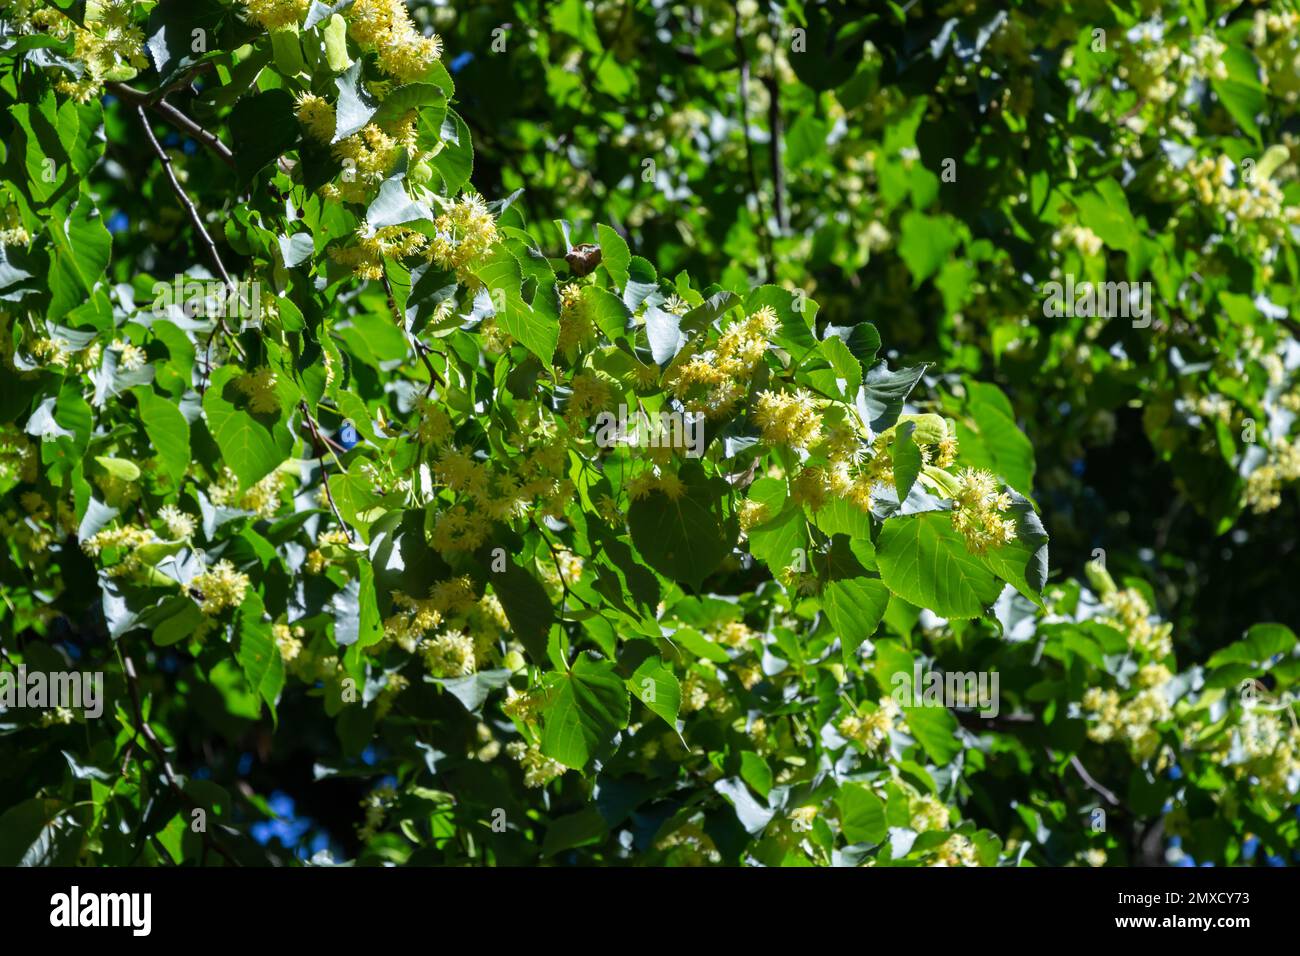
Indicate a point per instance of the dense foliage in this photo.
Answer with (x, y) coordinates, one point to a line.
(322, 325)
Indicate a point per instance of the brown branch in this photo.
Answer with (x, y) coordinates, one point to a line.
(188, 205)
(1092, 784)
(774, 150)
(743, 62)
(171, 114)
(185, 200)
(324, 471)
(128, 666)
(421, 349)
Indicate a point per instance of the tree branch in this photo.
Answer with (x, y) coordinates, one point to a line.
(774, 150)
(421, 349)
(188, 205)
(743, 62)
(128, 667)
(324, 471)
(171, 114)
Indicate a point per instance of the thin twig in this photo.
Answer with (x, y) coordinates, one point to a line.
(1092, 784)
(421, 349)
(128, 666)
(167, 111)
(183, 198)
(324, 471)
(743, 64)
(774, 150)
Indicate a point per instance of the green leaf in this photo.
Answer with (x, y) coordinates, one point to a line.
(935, 729)
(528, 608)
(907, 459)
(796, 312)
(614, 255)
(882, 397)
(250, 447)
(684, 540)
(119, 468)
(167, 429)
(995, 443)
(455, 162)
(356, 611)
(262, 128)
(926, 243)
(924, 561)
(258, 654)
(504, 278)
(655, 685)
(355, 105)
(855, 607)
(80, 247)
(352, 495)
(862, 814)
(585, 708)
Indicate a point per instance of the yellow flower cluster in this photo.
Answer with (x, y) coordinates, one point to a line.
(871, 732)
(979, 509)
(449, 654)
(689, 845)
(327, 544)
(471, 626)
(110, 46)
(957, 850)
(370, 248)
(1264, 484)
(1273, 34)
(577, 330)
(367, 156)
(289, 640)
(1130, 613)
(1132, 721)
(1271, 747)
(713, 382)
(1087, 242)
(539, 769)
(124, 541)
(591, 394)
(259, 386)
(752, 513)
(12, 230)
(735, 634)
(263, 499)
(221, 587)
(929, 813)
(465, 233)
(18, 456)
(316, 116)
(276, 14)
(180, 526)
(383, 26)
(435, 425)
(788, 418)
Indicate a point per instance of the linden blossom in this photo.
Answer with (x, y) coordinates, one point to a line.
(665, 430)
(69, 689)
